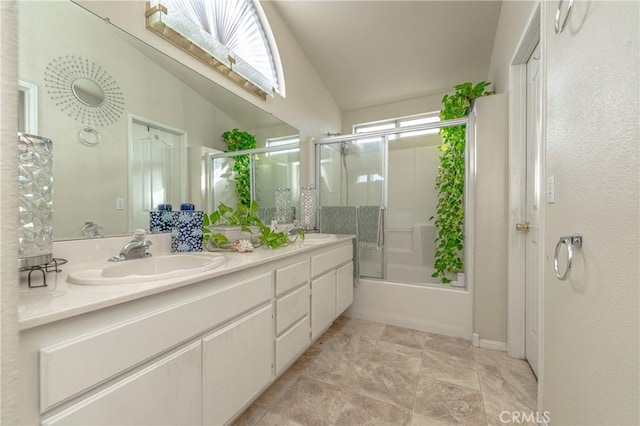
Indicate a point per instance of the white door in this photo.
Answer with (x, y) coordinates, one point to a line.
(156, 171)
(533, 247)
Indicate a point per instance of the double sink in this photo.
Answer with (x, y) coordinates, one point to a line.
(162, 267)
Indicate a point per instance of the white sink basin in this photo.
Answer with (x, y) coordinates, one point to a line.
(148, 269)
(318, 238)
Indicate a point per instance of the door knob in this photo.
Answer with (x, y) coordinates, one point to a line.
(524, 227)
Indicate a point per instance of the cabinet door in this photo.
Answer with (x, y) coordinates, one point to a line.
(323, 303)
(237, 364)
(344, 288)
(166, 392)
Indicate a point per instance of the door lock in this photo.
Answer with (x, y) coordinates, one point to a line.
(523, 227)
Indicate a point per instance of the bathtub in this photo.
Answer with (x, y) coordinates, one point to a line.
(432, 308)
(409, 297)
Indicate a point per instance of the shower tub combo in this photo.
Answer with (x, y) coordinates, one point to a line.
(397, 171)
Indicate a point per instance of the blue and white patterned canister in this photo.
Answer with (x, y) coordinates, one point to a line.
(161, 220)
(186, 235)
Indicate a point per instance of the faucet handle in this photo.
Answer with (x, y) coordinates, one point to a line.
(138, 234)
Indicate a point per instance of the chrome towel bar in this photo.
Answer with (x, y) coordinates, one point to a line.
(571, 241)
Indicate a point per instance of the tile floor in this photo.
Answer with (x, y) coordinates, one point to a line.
(364, 373)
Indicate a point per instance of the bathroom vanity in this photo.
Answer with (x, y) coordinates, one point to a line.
(196, 349)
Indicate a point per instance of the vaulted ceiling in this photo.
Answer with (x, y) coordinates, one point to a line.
(375, 52)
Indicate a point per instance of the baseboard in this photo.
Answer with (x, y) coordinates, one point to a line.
(477, 342)
(492, 344)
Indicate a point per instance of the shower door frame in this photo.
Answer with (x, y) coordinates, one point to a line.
(469, 189)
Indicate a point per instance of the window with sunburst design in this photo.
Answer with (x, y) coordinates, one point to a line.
(233, 37)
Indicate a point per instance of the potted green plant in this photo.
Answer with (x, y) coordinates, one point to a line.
(449, 221)
(238, 140)
(225, 226)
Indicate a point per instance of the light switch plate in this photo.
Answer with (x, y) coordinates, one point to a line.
(119, 203)
(551, 190)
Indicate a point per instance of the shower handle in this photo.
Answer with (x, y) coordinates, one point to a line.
(523, 227)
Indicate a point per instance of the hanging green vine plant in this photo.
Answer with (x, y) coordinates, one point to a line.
(238, 140)
(450, 181)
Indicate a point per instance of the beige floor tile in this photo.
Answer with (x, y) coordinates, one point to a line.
(449, 368)
(310, 402)
(371, 330)
(273, 419)
(365, 373)
(306, 359)
(276, 390)
(361, 410)
(341, 321)
(387, 384)
(422, 420)
(350, 345)
(396, 356)
(449, 403)
(332, 366)
(251, 416)
(404, 336)
(451, 345)
(500, 358)
(508, 384)
(501, 411)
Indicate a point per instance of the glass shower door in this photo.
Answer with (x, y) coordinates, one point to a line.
(351, 173)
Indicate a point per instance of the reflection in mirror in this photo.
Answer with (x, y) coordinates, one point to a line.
(95, 183)
(88, 92)
(271, 169)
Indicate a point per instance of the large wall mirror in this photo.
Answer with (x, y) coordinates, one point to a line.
(94, 182)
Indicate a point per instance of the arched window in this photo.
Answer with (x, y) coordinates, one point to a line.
(231, 36)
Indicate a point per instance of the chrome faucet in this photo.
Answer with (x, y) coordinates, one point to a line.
(134, 249)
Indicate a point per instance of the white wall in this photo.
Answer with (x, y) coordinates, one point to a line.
(8, 217)
(490, 278)
(592, 320)
(514, 16)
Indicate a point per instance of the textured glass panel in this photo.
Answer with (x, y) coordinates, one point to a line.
(35, 196)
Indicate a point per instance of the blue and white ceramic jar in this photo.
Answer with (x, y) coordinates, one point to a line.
(161, 220)
(186, 235)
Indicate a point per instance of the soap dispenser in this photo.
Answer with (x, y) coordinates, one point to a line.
(186, 235)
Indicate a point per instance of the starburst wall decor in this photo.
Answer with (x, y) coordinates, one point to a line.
(84, 91)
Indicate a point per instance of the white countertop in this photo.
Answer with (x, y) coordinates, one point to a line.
(60, 299)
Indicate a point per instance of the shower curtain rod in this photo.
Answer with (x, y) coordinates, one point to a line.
(429, 126)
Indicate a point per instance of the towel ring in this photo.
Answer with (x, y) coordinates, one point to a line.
(560, 27)
(89, 136)
(570, 241)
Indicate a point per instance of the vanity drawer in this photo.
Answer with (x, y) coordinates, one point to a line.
(107, 352)
(167, 391)
(330, 260)
(291, 343)
(291, 276)
(291, 308)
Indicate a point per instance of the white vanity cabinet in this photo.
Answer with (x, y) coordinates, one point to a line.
(165, 392)
(237, 363)
(331, 287)
(195, 354)
(292, 319)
